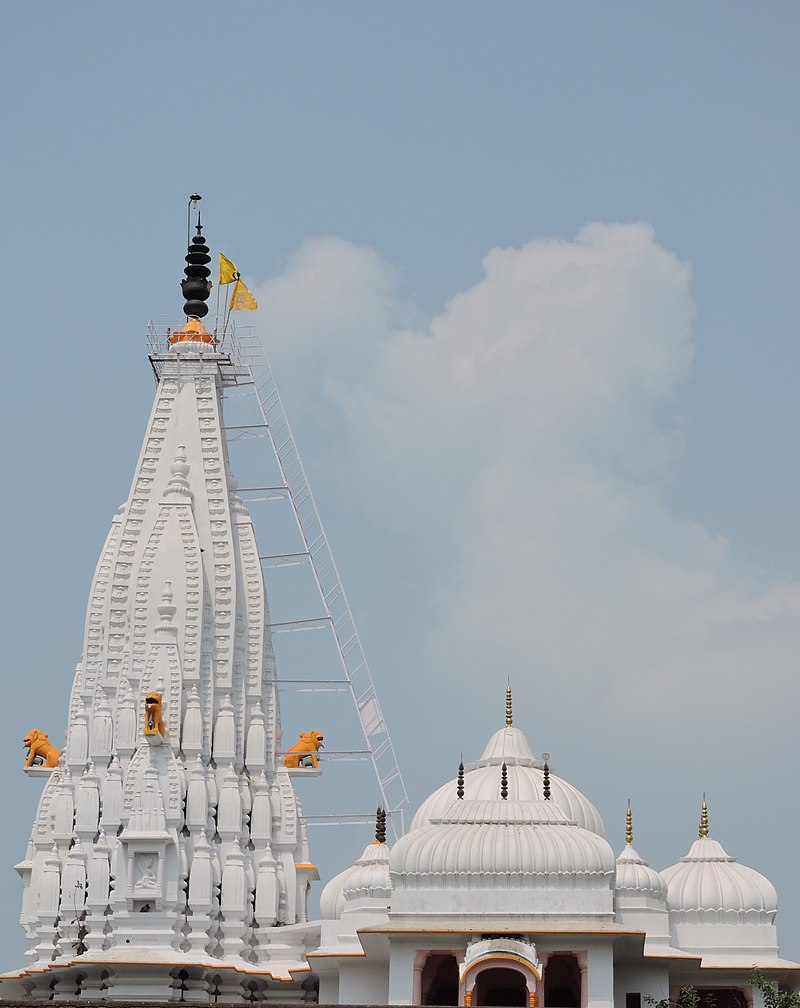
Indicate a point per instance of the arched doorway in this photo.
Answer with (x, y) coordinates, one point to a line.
(562, 982)
(500, 986)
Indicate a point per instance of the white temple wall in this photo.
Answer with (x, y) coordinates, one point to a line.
(329, 989)
(751, 940)
(651, 980)
(362, 982)
(598, 988)
(653, 920)
(583, 903)
(401, 972)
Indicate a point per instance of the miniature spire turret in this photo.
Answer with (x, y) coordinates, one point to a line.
(460, 781)
(629, 825)
(509, 708)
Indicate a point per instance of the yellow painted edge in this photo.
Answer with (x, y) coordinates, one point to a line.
(510, 958)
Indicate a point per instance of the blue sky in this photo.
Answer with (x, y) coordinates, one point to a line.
(360, 162)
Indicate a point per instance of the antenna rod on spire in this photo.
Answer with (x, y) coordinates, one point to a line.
(194, 199)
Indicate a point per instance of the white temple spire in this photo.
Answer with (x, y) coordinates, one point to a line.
(161, 844)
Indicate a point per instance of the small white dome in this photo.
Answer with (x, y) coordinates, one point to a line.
(331, 900)
(369, 877)
(709, 886)
(505, 745)
(525, 783)
(635, 877)
(366, 879)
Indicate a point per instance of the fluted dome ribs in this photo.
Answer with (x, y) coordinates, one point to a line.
(533, 832)
(635, 877)
(709, 885)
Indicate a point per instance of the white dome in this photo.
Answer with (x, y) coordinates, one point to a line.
(503, 844)
(331, 900)
(507, 744)
(525, 782)
(367, 879)
(709, 886)
(635, 877)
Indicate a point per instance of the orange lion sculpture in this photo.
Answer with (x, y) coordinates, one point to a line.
(41, 751)
(304, 751)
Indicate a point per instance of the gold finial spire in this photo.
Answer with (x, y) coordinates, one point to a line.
(703, 831)
(628, 825)
(509, 710)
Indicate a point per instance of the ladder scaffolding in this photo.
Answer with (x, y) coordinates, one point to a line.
(248, 372)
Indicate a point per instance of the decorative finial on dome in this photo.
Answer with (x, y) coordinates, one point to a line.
(703, 831)
(196, 287)
(460, 781)
(380, 825)
(546, 777)
(509, 709)
(628, 825)
(504, 782)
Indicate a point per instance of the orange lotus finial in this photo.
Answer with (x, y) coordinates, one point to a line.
(193, 332)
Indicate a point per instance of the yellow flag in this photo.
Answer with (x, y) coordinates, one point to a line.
(241, 298)
(227, 270)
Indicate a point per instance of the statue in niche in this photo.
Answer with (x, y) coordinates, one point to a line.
(153, 718)
(146, 867)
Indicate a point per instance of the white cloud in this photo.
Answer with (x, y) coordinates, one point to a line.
(521, 439)
(323, 314)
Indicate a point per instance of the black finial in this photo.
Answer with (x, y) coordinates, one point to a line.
(504, 782)
(380, 825)
(546, 781)
(196, 287)
(460, 782)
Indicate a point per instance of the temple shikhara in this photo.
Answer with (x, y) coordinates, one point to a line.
(169, 858)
